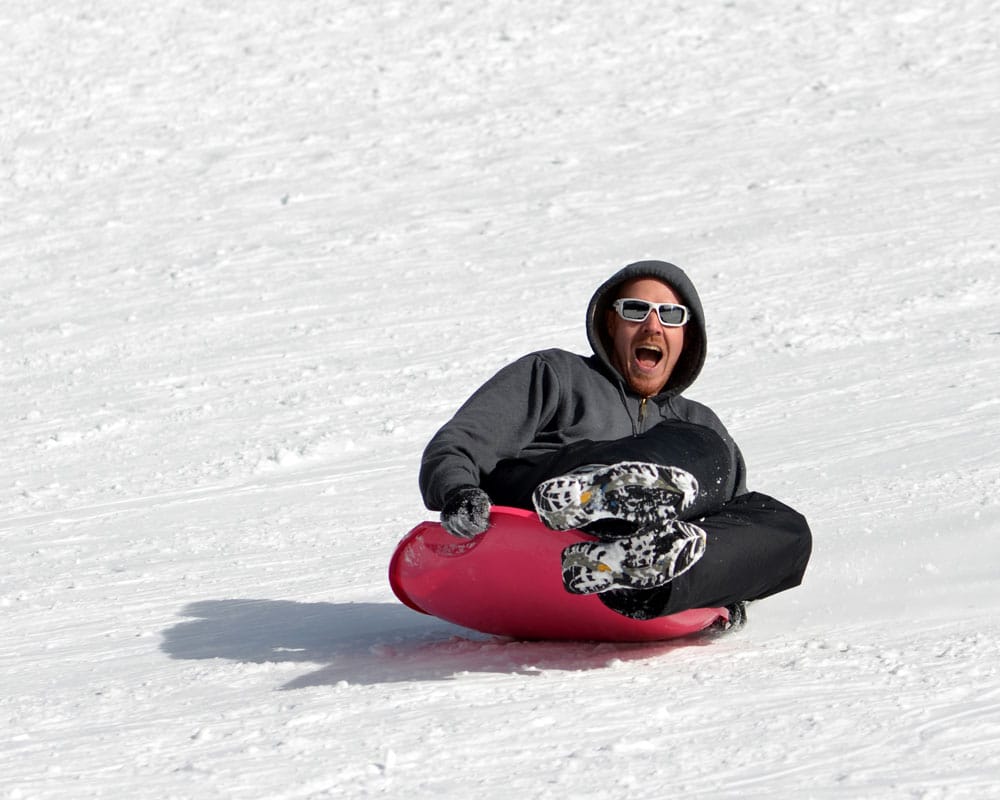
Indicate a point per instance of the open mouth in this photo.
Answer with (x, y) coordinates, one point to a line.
(648, 356)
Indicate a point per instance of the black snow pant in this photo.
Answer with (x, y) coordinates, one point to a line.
(755, 545)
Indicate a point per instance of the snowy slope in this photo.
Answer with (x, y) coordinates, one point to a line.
(253, 254)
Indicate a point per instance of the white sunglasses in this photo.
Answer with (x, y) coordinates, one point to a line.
(671, 315)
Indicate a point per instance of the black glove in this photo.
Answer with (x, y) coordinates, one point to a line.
(466, 512)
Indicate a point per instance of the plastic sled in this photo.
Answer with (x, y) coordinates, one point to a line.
(507, 581)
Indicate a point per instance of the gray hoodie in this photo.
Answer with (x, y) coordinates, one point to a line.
(549, 399)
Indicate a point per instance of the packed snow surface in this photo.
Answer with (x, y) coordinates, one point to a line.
(253, 254)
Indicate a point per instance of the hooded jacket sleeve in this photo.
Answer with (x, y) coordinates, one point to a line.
(499, 421)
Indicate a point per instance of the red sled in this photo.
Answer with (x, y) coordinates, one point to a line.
(508, 581)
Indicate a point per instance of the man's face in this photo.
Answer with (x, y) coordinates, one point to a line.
(645, 353)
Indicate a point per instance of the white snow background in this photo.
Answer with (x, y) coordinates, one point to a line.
(253, 254)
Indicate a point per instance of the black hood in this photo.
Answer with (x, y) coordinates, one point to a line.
(695, 346)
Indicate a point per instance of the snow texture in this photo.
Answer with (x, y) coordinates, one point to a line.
(253, 254)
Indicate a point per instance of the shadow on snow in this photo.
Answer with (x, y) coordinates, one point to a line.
(370, 643)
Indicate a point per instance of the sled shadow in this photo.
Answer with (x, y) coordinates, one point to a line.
(372, 643)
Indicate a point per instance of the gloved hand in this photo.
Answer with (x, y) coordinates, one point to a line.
(466, 512)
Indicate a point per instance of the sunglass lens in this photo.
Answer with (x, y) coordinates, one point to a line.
(635, 310)
(672, 315)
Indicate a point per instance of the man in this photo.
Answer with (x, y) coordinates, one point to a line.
(608, 443)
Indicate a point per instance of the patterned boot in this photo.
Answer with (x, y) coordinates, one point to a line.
(651, 557)
(630, 491)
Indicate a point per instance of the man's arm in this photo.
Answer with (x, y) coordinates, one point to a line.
(497, 422)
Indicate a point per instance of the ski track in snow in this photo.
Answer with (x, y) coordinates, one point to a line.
(252, 255)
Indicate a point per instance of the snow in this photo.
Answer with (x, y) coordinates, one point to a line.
(253, 254)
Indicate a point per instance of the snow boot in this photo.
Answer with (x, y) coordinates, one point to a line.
(631, 491)
(737, 618)
(651, 557)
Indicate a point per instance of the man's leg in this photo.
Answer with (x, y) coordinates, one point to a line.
(693, 448)
(755, 546)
